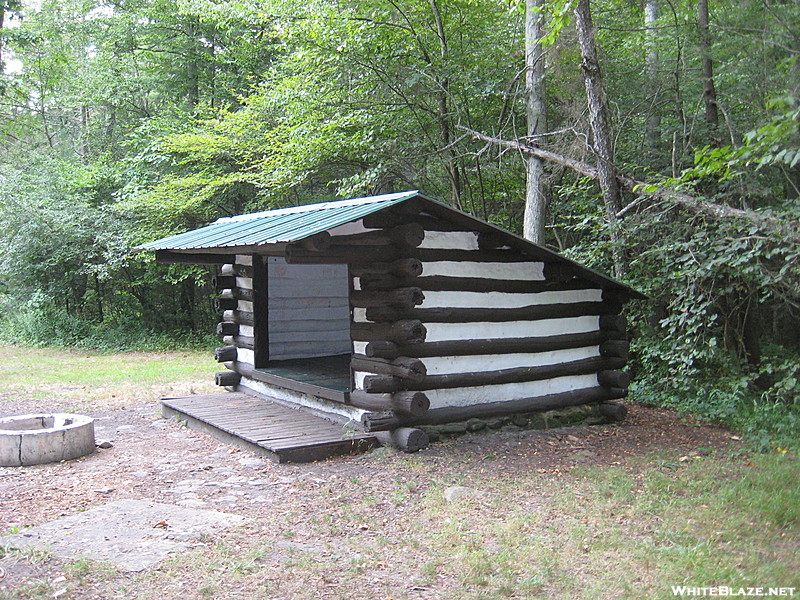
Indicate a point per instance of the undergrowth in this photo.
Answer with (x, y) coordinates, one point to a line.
(45, 327)
(761, 403)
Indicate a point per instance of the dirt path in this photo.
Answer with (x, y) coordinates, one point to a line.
(161, 460)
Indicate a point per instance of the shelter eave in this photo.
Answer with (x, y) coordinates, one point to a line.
(526, 246)
(218, 255)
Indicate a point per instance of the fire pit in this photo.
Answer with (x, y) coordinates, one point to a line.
(38, 439)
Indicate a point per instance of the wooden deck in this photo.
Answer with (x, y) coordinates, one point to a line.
(266, 428)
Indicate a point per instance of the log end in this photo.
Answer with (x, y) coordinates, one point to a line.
(225, 353)
(414, 404)
(227, 378)
(613, 410)
(407, 439)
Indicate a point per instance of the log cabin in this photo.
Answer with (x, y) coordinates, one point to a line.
(396, 311)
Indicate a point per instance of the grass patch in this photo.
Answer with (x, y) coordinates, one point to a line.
(609, 532)
(81, 380)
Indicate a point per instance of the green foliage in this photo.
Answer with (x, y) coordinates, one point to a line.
(41, 324)
(134, 120)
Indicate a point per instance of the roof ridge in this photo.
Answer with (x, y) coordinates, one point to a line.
(319, 206)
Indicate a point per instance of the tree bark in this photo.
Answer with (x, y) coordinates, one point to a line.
(451, 158)
(764, 221)
(535, 188)
(709, 90)
(601, 130)
(653, 122)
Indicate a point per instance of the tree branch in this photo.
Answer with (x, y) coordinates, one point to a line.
(644, 190)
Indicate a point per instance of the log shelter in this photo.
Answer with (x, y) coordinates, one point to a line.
(392, 312)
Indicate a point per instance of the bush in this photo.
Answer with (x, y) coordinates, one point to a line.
(42, 325)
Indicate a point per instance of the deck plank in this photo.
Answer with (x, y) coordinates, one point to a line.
(281, 433)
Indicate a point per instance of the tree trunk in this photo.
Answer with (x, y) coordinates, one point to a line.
(653, 123)
(709, 91)
(85, 134)
(535, 189)
(192, 65)
(765, 220)
(601, 130)
(2, 37)
(450, 157)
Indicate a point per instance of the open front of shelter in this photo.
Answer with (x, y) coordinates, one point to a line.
(393, 312)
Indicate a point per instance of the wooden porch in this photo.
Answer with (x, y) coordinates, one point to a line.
(266, 428)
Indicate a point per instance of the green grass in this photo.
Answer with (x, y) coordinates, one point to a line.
(50, 366)
(380, 526)
(81, 380)
(608, 532)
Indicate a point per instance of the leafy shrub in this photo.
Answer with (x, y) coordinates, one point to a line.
(41, 324)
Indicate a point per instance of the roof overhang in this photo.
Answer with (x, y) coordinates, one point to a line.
(270, 233)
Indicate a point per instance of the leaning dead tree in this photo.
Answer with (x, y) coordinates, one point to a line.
(648, 192)
(601, 130)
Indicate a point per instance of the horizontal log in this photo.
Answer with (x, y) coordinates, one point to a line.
(491, 240)
(615, 348)
(583, 366)
(239, 341)
(222, 282)
(237, 270)
(316, 243)
(196, 258)
(383, 420)
(227, 328)
(498, 409)
(404, 403)
(535, 312)
(227, 378)
(613, 410)
(406, 368)
(618, 379)
(238, 316)
(247, 370)
(430, 223)
(225, 353)
(404, 268)
(409, 235)
(406, 332)
(387, 349)
(436, 254)
(610, 295)
(406, 439)
(225, 304)
(355, 255)
(402, 297)
(383, 384)
(383, 281)
(341, 255)
(613, 322)
(237, 294)
(556, 271)
(438, 283)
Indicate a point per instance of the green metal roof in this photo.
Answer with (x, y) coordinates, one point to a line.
(277, 226)
(287, 225)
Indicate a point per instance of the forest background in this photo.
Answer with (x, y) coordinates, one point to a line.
(124, 121)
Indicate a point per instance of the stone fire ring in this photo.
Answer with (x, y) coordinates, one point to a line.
(38, 439)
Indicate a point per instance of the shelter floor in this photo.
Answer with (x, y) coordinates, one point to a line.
(331, 372)
(267, 428)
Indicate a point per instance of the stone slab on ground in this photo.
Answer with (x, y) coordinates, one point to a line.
(131, 534)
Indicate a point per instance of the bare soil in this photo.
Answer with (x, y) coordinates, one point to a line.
(158, 459)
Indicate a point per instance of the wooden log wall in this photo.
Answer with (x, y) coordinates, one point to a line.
(446, 322)
(464, 321)
(236, 302)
